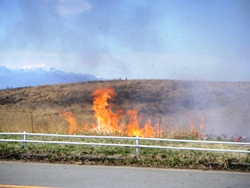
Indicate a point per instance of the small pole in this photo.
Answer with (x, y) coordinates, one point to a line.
(159, 128)
(137, 143)
(31, 119)
(24, 139)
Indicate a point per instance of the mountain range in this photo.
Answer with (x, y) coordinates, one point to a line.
(39, 76)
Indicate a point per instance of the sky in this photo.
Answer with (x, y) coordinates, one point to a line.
(133, 39)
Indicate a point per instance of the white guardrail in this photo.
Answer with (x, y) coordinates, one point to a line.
(137, 144)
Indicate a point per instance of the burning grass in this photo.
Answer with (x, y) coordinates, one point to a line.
(164, 102)
(131, 108)
(105, 108)
(110, 120)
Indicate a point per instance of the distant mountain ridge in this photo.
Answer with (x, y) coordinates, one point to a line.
(39, 76)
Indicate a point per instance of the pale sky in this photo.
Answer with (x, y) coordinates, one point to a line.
(134, 39)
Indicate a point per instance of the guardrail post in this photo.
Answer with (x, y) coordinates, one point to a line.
(24, 139)
(137, 143)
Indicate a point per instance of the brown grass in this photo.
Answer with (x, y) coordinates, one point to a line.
(173, 104)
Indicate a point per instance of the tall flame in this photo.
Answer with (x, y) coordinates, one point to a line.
(109, 122)
(72, 120)
(133, 128)
(148, 129)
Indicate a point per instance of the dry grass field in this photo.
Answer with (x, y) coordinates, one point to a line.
(178, 106)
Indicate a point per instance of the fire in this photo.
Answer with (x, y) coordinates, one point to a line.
(240, 139)
(110, 122)
(86, 128)
(72, 120)
(133, 128)
(149, 130)
(107, 121)
(196, 131)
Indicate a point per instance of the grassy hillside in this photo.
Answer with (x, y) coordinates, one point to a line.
(222, 107)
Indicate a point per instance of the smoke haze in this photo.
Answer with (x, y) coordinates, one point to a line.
(195, 40)
(113, 39)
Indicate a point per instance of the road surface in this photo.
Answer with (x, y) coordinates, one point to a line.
(63, 175)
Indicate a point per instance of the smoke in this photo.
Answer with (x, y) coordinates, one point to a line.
(137, 39)
(223, 105)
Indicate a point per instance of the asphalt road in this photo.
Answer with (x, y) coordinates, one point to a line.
(62, 175)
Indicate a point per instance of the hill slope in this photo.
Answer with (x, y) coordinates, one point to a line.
(222, 107)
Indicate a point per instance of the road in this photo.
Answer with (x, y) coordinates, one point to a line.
(63, 175)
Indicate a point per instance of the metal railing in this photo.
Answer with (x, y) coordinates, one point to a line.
(137, 140)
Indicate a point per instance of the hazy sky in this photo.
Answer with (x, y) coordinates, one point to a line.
(137, 39)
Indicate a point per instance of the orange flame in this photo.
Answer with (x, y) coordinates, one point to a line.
(240, 139)
(195, 130)
(86, 128)
(72, 120)
(109, 122)
(133, 128)
(148, 129)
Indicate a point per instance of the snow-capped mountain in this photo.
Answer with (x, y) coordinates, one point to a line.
(4, 70)
(39, 76)
(36, 67)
